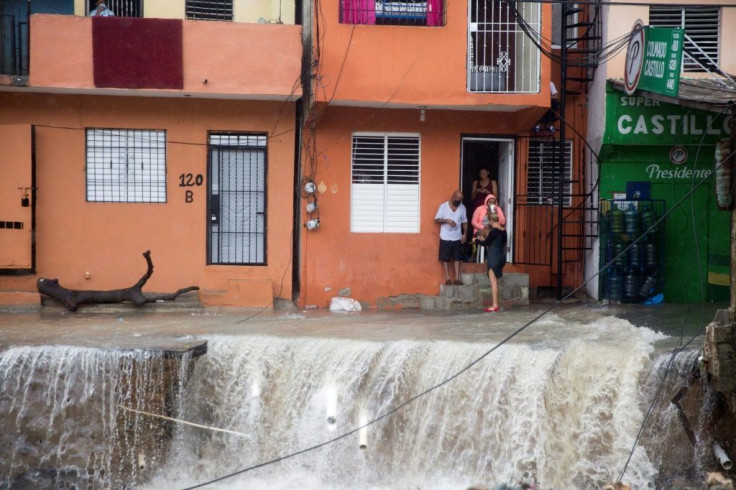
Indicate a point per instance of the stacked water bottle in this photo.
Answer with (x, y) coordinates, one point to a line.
(632, 275)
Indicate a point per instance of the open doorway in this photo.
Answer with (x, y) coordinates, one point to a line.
(497, 156)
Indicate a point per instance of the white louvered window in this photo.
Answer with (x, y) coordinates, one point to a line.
(701, 32)
(385, 183)
(544, 171)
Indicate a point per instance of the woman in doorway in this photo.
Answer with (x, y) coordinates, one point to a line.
(483, 186)
(494, 237)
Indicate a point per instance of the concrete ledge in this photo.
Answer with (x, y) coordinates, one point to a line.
(246, 293)
(20, 298)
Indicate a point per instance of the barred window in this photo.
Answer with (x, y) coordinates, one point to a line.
(385, 183)
(126, 165)
(701, 32)
(209, 9)
(544, 171)
(430, 13)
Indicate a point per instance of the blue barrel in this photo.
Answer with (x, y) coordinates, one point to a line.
(631, 286)
(635, 255)
(648, 286)
(616, 220)
(633, 224)
(650, 254)
(618, 249)
(613, 286)
(648, 218)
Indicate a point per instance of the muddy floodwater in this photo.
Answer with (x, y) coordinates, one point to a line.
(83, 398)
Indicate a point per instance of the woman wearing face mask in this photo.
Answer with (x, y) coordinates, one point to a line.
(489, 222)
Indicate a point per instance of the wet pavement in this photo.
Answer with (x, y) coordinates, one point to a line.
(151, 327)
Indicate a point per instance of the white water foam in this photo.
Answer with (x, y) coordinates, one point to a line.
(561, 410)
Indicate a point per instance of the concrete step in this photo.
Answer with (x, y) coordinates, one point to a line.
(464, 293)
(509, 292)
(445, 303)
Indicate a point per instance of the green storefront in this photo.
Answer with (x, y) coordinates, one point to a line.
(661, 151)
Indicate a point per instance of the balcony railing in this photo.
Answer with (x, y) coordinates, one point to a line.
(429, 13)
(501, 55)
(14, 16)
(121, 8)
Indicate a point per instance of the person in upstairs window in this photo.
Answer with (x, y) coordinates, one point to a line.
(101, 10)
(453, 221)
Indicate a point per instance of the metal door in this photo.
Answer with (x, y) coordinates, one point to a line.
(237, 199)
(17, 199)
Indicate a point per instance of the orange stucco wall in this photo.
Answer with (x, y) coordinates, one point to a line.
(261, 60)
(377, 265)
(398, 65)
(16, 182)
(75, 237)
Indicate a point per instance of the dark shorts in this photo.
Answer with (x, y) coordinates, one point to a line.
(450, 250)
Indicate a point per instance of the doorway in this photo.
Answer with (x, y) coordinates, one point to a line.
(496, 155)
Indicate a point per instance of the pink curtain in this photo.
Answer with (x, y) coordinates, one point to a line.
(434, 12)
(358, 11)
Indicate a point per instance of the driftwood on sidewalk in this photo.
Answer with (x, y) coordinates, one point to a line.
(72, 298)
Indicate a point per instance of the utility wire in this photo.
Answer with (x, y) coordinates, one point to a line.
(702, 318)
(468, 366)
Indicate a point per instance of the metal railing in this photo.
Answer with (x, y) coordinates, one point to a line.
(430, 13)
(121, 8)
(501, 57)
(14, 46)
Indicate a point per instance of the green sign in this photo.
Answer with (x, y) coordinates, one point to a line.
(637, 120)
(660, 70)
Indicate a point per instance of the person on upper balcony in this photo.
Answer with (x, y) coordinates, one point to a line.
(101, 10)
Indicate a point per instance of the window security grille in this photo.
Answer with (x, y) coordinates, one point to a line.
(701, 26)
(209, 9)
(543, 172)
(430, 13)
(385, 183)
(126, 165)
(237, 199)
(121, 8)
(501, 57)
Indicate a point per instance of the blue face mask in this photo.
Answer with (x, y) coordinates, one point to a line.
(456, 203)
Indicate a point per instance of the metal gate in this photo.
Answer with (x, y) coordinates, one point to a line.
(237, 199)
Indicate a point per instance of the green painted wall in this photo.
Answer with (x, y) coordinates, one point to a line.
(639, 137)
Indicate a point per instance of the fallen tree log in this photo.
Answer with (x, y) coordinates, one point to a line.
(72, 298)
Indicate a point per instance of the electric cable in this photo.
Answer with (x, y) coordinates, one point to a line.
(702, 319)
(464, 369)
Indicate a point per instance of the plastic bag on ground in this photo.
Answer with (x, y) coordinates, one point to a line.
(338, 303)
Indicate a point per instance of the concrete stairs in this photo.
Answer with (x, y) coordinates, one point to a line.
(475, 292)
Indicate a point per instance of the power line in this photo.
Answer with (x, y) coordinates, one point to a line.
(468, 366)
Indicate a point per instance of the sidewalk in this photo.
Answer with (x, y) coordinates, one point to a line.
(127, 327)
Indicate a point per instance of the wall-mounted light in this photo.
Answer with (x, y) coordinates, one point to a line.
(312, 224)
(422, 113)
(310, 188)
(311, 206)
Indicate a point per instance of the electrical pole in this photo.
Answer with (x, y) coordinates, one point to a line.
(561, 150)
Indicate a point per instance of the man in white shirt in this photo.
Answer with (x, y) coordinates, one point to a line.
(453, 221)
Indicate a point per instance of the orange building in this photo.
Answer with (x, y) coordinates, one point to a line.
(183, 127)
(126, 133)
(410, 100)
